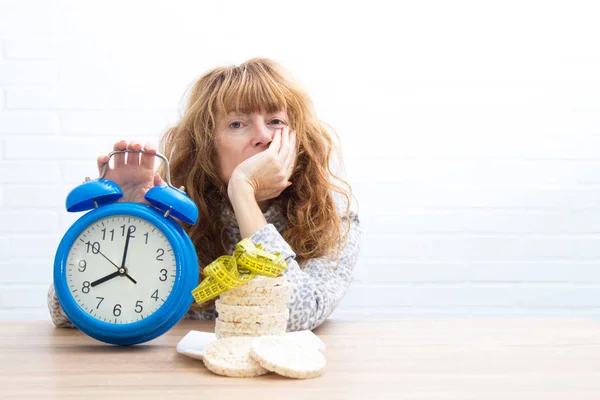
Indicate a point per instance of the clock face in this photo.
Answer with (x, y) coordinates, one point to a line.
(121, 269)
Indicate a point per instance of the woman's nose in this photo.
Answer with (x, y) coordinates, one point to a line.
(263, 135)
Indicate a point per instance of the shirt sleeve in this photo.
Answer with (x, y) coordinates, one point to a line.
(207, 314)
(57, 314)
(321, 283)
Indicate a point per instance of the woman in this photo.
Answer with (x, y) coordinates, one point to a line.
(253, 156)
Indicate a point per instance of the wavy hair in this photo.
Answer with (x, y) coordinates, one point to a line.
(314, 227)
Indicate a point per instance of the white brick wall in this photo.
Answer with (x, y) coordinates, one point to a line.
(473, 149)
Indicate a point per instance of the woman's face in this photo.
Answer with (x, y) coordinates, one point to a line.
(240, 136)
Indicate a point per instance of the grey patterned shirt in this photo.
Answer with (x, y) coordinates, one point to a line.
(319, 284)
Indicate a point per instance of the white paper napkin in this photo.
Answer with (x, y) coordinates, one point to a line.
(194, 342)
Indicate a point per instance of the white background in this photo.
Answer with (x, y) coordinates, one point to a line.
(470, 133)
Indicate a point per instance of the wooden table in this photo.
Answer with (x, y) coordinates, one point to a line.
(399, 359)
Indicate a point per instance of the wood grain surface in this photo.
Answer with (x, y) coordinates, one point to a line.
(370, 359)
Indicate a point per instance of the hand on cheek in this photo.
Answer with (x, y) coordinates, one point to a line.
(268, 173)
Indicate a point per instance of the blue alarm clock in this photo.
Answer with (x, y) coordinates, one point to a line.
(124, 272)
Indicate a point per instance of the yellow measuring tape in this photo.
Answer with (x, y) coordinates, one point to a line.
(228, 272)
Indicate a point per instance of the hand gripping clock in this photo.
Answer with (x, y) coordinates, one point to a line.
(124, 272)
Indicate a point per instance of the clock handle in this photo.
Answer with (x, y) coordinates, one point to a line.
(168, 176)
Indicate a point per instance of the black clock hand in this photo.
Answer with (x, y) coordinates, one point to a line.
(106, 278)
(117, 267)
(109, 260)
(126, 247)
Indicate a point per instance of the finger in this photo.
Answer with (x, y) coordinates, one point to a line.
(119, 158)
(276, 142)
(102, 161)
(148, 159)
(291, 157)
(158, 181)
(285, 142)
(134, 158)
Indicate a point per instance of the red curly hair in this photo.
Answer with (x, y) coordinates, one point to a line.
(314, 227)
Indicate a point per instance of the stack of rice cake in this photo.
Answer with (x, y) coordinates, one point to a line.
(250, 330)
(257, 308)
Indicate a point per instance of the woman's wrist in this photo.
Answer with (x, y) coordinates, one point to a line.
(239, 187)
(247, 211)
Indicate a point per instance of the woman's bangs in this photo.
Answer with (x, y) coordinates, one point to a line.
(250, 94)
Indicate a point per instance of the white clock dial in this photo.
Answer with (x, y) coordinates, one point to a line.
(112, 291)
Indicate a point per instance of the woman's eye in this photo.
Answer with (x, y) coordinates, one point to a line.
(237, 125)
(279, 121)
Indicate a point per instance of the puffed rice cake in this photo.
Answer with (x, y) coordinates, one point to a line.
(280, 355)
(236, 330)
(262, 319)
(251, 328)
(230, 357)
(258, 285)
(223, 334)
(250, 310)
(257, 308)
(274, 298)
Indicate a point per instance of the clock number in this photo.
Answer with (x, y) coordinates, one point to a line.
(82, 265)
(112, 234)
(131, 229)
(101, 300)
(139, 304)
(95, 247)
(86, 287)
(162, 253)
(117, 310)
(155, 295)
(146, 234)
(163, 275)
